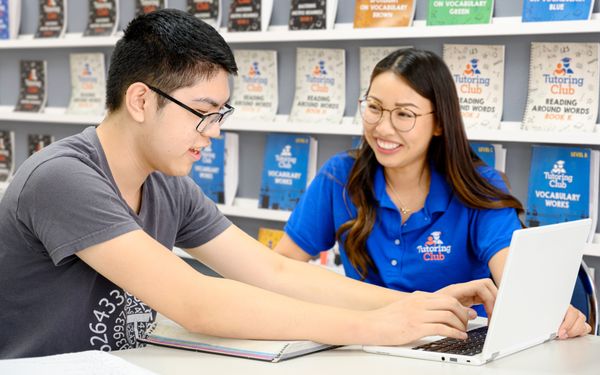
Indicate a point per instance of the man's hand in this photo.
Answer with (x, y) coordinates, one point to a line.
(482, 291)
(573, 324)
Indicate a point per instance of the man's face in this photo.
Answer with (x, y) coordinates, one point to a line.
(171, 142)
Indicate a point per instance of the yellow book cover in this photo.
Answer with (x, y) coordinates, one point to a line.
(269, 237)
(383, 13)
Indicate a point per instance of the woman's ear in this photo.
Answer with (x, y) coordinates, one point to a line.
(136, 101)
(437, 129)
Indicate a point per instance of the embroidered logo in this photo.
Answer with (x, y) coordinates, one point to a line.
(434, 249)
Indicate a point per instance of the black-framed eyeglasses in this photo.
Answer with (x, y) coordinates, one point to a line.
(402, 119)
(207, 121)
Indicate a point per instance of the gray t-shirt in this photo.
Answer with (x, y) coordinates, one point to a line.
(62, 200)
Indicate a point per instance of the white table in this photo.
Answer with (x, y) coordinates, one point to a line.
(577, 356)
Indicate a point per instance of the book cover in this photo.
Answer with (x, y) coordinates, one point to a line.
(478, 72)
(312, 14)
(269, 237)
(563, 87)
(559, 185)
(216, 171)
(369, 57)
(452, 12)
(32, 91)
(330, 259)
(383, 13)
(557, 10)
(52, 20)
(88, 84)
(10, 18)
(494, 155)
(36, 142)
(255, 89)
(249, 15)
(7, 153)
(103, 17)
(147, 6)
(320, 95)
(170, 334)
(208, 11)
(5, 16)
(289, 165)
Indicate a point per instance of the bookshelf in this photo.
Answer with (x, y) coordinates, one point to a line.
(500, 26)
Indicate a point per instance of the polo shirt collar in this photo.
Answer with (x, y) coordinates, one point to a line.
(438, 199)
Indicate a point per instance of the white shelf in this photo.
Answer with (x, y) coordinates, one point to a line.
(509, 131)
(500, 26)
(593, 249)
(246, 207)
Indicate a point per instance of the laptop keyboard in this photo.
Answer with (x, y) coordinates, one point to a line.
(471, 346)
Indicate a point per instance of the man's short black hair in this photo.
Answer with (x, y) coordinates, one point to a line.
(168, 49)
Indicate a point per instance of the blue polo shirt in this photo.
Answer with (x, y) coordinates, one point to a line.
(443, 243)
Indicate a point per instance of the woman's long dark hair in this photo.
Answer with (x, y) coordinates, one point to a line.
(450, 153)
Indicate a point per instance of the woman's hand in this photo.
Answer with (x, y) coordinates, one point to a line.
(573, 324)
(482, 291)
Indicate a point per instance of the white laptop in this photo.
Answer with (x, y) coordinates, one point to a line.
(535, 292)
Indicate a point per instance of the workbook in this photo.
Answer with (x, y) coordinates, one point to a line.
(563, 87)
(7, 154)
(103, 18)
(557, 10)
(478, 73)
(249, 15)
(147, 6)
(208, 11)
(88, 84)
(312, 14)
(563, 185)
(217, 170)
(269, 237)
(32, 81)
(288, 167)
(383, 13)
(320, 96)
(36, 142)
(52, 19)
(492, 154)
(255, 93)
(10, 18)
(170, 334)
(452, 12)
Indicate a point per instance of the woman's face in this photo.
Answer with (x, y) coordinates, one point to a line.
(393, 145)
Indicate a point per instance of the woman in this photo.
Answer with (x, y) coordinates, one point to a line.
(413, 208)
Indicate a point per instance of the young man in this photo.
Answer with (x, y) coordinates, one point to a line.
(89, 222)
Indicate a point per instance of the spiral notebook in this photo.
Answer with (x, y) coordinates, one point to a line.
(170, 334)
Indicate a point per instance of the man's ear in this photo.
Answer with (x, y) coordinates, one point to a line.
(136, 101)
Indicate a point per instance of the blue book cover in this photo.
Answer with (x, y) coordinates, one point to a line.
(559, 185)
(4, 20)
(556, 10)
(209, 171)
(285, 171)
(486, 153)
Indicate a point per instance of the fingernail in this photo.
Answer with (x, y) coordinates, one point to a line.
(464, 335)
(472, 314)
(562, 334)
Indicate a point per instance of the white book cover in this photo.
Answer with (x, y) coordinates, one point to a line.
(369, 57)
(32, 91)
(88, 84)
(478, 73)
(208, 11)
(320, 96)
(255, 90)
(563, 87)
(103, 18)
(7, 154)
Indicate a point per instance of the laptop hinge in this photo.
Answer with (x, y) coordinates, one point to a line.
(552, 337)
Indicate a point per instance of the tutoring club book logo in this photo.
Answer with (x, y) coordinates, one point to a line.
(208, 155)
(562, 80)
(471, 80)
(434, 248)
(253, 79)
(319, 79)
(558, 177)
(285, 159)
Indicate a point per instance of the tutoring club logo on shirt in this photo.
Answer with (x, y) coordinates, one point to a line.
(434, 248)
